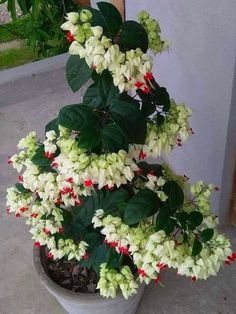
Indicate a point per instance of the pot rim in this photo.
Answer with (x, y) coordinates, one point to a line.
(55, 288)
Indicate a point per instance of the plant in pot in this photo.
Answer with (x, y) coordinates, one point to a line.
(105, 221)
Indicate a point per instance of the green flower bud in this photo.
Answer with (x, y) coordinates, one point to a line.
(85, 16)
(143, 15)
(86, 26)
(80, 37)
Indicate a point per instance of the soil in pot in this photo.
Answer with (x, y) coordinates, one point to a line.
(69, 274)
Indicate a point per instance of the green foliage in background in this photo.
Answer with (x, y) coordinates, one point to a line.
(16, 56)
(13, 30)
(42, 25)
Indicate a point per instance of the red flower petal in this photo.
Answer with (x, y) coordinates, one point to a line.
(142, 155)
(88, 183)
(70, 37)
(146, 89)
(85, 256)
(148, 76)
(61, 230)
(138, 84)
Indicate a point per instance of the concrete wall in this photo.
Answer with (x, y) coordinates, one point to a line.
(199, 70)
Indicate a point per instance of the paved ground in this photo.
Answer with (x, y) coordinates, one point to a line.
(27, 105)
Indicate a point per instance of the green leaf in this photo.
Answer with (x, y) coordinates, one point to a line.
(175, 195)
(24, 6)
(182, 218)
(98, 20)
(133, 36)
(89, 138)
(100, 256)
(101, 92)
(142, 205)
(161, 97)
(77, 72)
(156, 169)
(39, 160)
(92, 238)
(107, 90)
(11, 7)
(77, 117)
(197, 247)
(92, 97)
(67, 216)
(148, 107)
(52, 126)
(97, 254)
(159, 119)
(113, 138)
(185, 237)
(111, 16)
(207, 234)
(165, 222)
(20, 188)
(75, 229)
(195, 218)
(85, 213)
(113, 259)
(162, 219)
(130, 119)
(114, 199)
(109, 202)
(126, 98)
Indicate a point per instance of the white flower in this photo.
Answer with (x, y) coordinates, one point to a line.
(97, 218)
(97, 31)
(73, 17)
(77, 49)
(69, 26)
(51, 135)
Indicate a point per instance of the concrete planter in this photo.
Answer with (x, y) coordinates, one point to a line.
(79, 303)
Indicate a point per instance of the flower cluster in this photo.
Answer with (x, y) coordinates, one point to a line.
(29, 143)
(202, 193)
(162, 139)
(76, 174)
(153, 251)
(152, 27)
(155, 183)
(111, 280)
(78, 26)
(129, 69)
(18, 203)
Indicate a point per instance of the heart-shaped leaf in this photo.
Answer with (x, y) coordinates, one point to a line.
(142, 205)
(130, 119)
(77, 72)
(133, 36)
(77, 117)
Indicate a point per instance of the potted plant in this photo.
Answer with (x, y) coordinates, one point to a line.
(105, 221)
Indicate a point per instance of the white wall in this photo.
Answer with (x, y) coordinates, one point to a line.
(199, 71)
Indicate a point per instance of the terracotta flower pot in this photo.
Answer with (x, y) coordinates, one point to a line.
(81, 303)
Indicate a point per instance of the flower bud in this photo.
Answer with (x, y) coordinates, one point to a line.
(85, 16)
